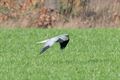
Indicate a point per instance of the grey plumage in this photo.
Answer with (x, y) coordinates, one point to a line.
(61, 39)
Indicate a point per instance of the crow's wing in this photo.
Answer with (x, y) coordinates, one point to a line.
(43, 41)
(63, 44)
(44, 49)
(48, 44)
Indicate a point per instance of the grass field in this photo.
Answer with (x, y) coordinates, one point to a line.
(92, 54)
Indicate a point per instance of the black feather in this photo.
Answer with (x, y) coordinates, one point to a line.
(63, 44)
(44, 49)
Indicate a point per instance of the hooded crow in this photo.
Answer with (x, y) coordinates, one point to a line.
(61, 39)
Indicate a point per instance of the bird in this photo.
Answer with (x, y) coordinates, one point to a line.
(62, 39)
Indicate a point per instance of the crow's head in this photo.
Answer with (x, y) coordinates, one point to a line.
(66, 35)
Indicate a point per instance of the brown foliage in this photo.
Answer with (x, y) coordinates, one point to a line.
(10, 4)
(90, 13)
(46, 18)
(3, 17)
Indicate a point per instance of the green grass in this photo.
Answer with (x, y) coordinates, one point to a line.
(92, 54)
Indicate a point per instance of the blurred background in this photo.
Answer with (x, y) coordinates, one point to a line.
(59, 13)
